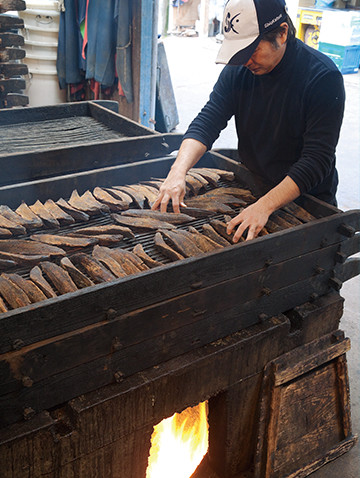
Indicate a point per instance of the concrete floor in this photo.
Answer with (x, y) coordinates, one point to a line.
(193, 73)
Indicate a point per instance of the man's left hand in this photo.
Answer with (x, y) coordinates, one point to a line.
(253, 219)
(255, 216)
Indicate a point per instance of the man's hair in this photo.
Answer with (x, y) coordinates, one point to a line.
(271, 36)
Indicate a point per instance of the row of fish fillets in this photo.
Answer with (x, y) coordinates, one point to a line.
(79, 208)
(65, 262)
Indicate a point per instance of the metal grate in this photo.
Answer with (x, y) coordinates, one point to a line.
(24, 137)
(146, 239)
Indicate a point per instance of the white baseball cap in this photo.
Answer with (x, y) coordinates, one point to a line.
(244, 24)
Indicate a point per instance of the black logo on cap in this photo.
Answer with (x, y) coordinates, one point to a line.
(229, 22)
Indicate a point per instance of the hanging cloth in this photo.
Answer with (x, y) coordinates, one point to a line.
(124, 48)
(100, 50)
(69, 64)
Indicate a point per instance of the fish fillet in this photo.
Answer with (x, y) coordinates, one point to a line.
(59, 278)
(101, 239)
(299, 212)
(85, 203)
(47, 218)
(16, 229)
(67, 242)
(25, 247)
(125, 262)
(37, 277)
(59, 214)
(210, 232)
(103, 255)
(6, 264)
(211, 176)
(5, 232)
(220, 227)
(105, 229)
(120, 195)
(5, 211)
(209, 203)
(80, 279)
(141, 223)
(75, 213)
(26, 213)
(201, 241)
(137, 197)
(165, 249)
(149, 261)
(193, 184)
(106, 198)
(237, 192)
(93, 268)
(12, 294)
(183, 244)
(169, 217)
(3, 307)
(29, 287)
(227, 175)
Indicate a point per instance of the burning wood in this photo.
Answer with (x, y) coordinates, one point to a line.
(179, 443)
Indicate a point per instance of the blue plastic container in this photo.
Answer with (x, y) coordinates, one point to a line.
(346, 58)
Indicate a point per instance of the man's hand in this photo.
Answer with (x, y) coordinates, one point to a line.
(173, 188)
(253, 219)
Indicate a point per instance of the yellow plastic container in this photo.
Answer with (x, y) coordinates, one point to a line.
(308, 26)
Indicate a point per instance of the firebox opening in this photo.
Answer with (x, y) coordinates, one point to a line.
(179, 443)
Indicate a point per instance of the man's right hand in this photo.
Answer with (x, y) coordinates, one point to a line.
(173, 188)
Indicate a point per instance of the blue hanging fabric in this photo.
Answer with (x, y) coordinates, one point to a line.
(101, 46)
(70, 65)
(124, 47)
(105, 52)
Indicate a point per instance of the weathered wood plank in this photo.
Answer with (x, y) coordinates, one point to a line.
(10, 22)
(14, 99)
(313, 319)
(333, 453)
(11, 39)
(68, 160)
(11, 86)
(232, 422)
(12, 5)
(140, 325)
(52, 112)
(41, 321)
(44, 113)
(118, 122)
(8, 70)
(312, 361)
(304, 416)
(124, 362)
(348, 270)
(12, 54)
(145, 398)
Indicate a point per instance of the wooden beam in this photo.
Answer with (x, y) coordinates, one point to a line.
(148, 52)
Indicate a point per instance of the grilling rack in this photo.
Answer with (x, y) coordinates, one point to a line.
(143, 238)
(167, 311)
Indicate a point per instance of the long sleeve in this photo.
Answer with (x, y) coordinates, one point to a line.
(324, 113)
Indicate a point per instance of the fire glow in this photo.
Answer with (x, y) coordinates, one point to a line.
(179, 443)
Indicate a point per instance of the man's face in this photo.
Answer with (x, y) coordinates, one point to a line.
(266, 57)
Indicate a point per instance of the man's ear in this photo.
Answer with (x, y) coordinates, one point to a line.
(283, 36)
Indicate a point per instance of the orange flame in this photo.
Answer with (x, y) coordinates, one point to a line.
(179, 443)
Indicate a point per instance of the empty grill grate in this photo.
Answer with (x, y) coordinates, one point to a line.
(24, 137)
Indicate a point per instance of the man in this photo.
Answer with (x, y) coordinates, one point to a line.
(288, 103)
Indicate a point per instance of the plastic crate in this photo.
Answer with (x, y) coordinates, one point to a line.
(346, 58)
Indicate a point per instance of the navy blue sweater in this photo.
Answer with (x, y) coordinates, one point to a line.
(287, 121)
